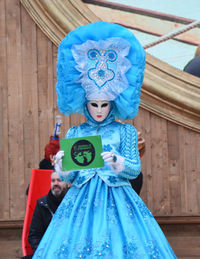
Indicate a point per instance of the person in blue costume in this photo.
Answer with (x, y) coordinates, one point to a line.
(100, 71)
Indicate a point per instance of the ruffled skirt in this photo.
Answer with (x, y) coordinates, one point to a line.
(98, 221)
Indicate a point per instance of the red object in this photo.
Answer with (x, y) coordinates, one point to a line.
(51, 148)
(39, 186)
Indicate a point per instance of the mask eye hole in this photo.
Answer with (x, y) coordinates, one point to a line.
(104, 105)
(94, 104)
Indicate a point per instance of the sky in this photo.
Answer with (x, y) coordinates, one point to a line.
(172, 52)
(185, 8)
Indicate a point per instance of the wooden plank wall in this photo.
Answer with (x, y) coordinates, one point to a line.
(28, 103)
(171, 164)
(171, 167)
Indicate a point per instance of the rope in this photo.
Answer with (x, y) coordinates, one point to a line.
(172, 34)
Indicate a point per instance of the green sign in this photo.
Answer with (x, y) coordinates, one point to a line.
(82, 153)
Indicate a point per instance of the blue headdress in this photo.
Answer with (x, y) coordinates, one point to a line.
(100, 61)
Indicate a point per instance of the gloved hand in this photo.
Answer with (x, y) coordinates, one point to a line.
(115, 161)
(64, 175)
(57, 162)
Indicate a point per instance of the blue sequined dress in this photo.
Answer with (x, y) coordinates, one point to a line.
(101, 216)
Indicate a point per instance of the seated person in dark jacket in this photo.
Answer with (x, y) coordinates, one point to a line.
(137, 183)
(44, 210)
(193, 66)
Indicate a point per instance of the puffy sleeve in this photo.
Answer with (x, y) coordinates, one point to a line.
(129, 150)
(68, 176)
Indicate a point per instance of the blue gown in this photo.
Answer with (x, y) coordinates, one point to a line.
(101, 216)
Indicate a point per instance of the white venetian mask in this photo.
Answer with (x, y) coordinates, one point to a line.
(99, 110)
